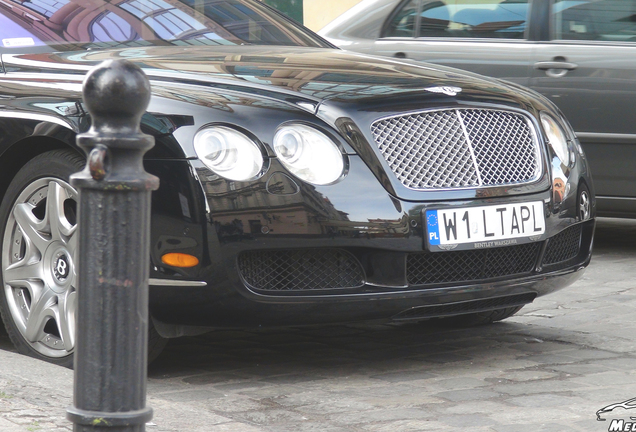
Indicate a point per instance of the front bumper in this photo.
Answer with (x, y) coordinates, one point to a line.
(276, 252)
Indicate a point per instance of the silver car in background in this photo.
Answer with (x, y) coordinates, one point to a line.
(579, 53)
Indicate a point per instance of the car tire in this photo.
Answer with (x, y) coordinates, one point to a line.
(478, 318)
(38, 231)
(156, 342)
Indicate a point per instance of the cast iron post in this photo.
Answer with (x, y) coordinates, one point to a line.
(113, 254)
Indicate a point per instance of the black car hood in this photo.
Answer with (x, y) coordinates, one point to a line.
(330, 87)
(315, 74)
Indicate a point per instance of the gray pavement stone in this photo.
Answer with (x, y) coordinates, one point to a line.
(544, 400)
(534, 387)
(606, 379)
(579, 369)
(225, 427)
(172, 417)
(191, 395)
(236, 403)
(460, 383)
(534, 427)
(403, 376)
(406, 399)
(487, 407)
(538, 346)
(238, 386)
(9, 426)
(338, 405)
(590, 354)
(388, 392)
(516, 376)
(542, 359)
(468, 421)
(379, 415)
(467, 395)
(624, 363)
(410, 426)
(271, 417)
(601, 395)
(538, 415)
(308, 426)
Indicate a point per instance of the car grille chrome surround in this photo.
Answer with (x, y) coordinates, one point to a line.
(460, 148)
(471, 265)
(300, 270)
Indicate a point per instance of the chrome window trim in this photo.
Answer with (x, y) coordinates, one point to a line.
(609, 138)
(457, 39)
(588, 42)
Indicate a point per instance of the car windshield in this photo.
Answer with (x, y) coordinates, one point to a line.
(68, 25)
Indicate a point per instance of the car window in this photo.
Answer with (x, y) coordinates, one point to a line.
(434, 19)
(402, 22)
(473, 18)
(598, 20)
(70, 25)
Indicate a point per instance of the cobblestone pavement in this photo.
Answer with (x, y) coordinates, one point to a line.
(548, 369)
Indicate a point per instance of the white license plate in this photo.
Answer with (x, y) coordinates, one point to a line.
(486, 226)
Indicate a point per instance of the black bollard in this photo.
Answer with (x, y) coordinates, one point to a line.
(113, 254)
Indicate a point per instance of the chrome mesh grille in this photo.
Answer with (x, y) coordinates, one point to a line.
(459, 148)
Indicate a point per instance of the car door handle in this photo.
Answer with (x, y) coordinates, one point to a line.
(545, 65)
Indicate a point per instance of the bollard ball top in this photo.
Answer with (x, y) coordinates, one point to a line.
(116, 93)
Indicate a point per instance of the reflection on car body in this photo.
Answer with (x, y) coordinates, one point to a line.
(295, 177)
(581, 54)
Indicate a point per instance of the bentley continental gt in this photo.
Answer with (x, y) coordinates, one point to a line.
(300, 184)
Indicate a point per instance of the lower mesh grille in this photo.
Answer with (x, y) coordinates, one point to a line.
(563, 246)
(300, 270)
(471, 265)
(466, 307)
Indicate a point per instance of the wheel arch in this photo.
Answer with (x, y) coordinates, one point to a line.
(22, 151)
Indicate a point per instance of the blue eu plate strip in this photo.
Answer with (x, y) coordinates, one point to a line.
(433, 227)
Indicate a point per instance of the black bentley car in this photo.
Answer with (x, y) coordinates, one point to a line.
(300, 184)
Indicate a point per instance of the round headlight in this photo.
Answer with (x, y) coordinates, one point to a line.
(556, 137)
(309, 154)
(228, 153)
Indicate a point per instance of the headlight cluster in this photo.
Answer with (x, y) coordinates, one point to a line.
(306, 152)
(557, 138)
(228, 153)
(309, 154)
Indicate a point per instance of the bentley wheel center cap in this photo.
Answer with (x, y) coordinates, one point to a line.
(61, 267)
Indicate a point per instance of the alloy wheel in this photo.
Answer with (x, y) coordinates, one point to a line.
(38, 265)
(584, 205)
